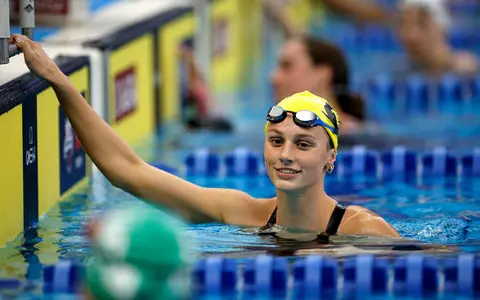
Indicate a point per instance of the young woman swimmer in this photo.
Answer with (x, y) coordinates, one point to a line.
(300, 147)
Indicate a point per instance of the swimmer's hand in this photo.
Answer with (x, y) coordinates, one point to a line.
(37, 61)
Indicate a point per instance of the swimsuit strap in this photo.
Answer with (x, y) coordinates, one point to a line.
(333, 223)
(271, 221)
(335, 219)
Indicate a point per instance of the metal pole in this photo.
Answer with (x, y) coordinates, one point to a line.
(203, 37)
(4, 31)
(27, 22)
(27, 17)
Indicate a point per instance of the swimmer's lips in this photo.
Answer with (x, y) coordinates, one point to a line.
(286, 173)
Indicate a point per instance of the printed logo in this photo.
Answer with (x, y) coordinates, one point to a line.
(31, 152)
(71, 146)
(125, 94)
(72, 155)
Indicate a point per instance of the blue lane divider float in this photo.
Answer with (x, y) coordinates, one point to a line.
(313, 276)
(215, 275)
(358, 160)
(383, 93)
(417, 94)
(64, 277)
(462, 275)
(202, 162)
(365, 275)
(439, 163)
(471, 163)
(266, 274)
(450, 92)
(398, 163)
(242, 162)
(416, 276)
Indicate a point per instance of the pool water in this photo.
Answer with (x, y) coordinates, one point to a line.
(426, 212)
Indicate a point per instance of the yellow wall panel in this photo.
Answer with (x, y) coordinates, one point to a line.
(11, 175)
(170, 38)
(131, 89)
(227, 31)
(48, 150)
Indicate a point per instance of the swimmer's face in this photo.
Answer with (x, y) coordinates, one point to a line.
(304, 152)
(418, 32)
(295, 71)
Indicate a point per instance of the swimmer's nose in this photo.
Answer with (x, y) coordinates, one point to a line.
(286, 161)
(286, 155)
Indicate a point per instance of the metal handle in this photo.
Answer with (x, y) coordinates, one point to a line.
(27, 20)
(13, 50)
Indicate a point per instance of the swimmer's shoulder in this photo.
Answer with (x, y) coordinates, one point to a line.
(264, 208)
(250, 211)
(359, 220)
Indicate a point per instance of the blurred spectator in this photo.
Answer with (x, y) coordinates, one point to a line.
(422, 27)
(307, 63)
(357, 10)
(198, 109)
(364, 11)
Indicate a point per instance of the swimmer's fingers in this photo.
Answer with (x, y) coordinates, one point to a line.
(21, 41)
(35, 57)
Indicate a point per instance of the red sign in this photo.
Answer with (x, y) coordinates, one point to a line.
(125, 93)
(53, 7)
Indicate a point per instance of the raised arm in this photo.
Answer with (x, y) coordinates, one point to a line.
(275, 10)
(119, 163)
(359, 10)
(354, 10)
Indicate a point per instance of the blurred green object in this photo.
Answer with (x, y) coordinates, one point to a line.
(139, 252)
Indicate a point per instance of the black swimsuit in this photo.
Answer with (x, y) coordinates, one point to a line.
(331, 229)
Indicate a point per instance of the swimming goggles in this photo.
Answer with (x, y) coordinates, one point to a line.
(303, 118)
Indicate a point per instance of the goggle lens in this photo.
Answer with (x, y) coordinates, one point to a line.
(306, 117)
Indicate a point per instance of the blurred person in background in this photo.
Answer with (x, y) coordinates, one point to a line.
(316, 65)
(422, 28)
(360, 11)
(421, 25)
(307, 63)
(198, 107)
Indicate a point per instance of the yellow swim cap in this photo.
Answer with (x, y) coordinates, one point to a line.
(319, 106)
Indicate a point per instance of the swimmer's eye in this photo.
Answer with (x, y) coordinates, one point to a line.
(304, 145)
(275, 141)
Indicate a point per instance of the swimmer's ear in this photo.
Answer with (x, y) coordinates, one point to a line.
(333, 156)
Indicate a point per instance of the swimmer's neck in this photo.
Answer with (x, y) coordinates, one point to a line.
(308, 210)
